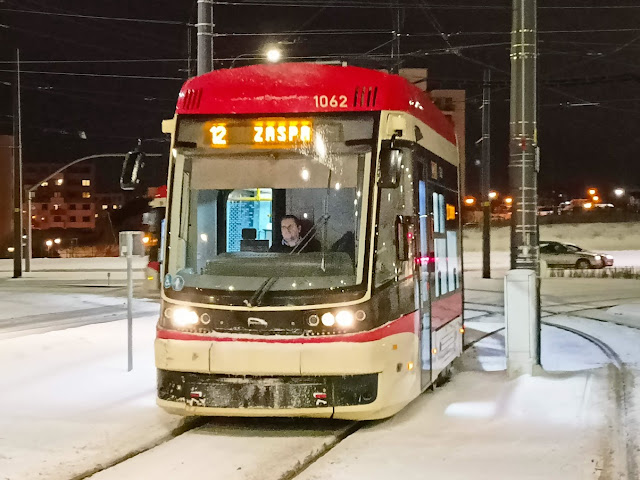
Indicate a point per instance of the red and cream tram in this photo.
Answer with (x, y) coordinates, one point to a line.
(313, 260)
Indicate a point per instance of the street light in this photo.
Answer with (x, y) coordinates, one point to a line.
(618, 192)
(508, 200)
(595, 198)
(57, 241)
(493, 195)
(592, 191)
(272, 55)
(469, 201)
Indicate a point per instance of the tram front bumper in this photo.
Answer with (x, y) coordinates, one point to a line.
(285, 379)
(262, 358)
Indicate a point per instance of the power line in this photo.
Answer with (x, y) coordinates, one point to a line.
(96, 17)
(73, 74)
(120, 60)
(370, 5)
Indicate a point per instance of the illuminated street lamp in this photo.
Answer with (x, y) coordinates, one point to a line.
(587, 205)
(592, 191)
(618, 192)
(508, 200)
(274, 55)
(493, 195)
(595, 198)
(57, 241)
(469, 201)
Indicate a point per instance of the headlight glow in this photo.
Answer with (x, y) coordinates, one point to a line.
(597, 257)
(328, 320)
(183, 317)
(344, 318)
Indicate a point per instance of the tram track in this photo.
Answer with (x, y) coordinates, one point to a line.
(622, 381)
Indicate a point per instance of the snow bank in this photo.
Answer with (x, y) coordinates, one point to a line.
(591, 236)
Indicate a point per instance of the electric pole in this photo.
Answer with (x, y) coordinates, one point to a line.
(522, 283)
(205, 36)
(486, 175)
(17, 176)
(395, 41)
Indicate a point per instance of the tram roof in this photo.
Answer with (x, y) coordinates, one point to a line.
(297, 88)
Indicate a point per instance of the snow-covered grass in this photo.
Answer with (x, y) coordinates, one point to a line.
(590, 236)
(69, 404)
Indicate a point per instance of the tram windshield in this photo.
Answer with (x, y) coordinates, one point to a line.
(266, 225)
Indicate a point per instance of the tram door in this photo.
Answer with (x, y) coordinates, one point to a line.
(423, 264)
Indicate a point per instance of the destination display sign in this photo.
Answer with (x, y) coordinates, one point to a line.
(259, 132)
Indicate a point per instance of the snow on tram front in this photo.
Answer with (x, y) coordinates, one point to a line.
(312, 246)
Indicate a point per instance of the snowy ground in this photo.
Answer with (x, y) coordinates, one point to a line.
(591, 236)
(69, 406)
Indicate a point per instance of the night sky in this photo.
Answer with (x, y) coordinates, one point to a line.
(589, 72)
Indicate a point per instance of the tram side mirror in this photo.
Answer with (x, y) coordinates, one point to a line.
(390, 167)
(404, 237)
(131, 170)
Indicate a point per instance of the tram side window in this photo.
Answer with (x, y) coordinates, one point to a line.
(393, 202)
(447, 264)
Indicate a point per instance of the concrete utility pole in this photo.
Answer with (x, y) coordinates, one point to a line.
(17, 176)
(395, 41)
(522, 283)
(486, 175)
(205, 36)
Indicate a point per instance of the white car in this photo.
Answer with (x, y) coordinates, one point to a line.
(558, 254)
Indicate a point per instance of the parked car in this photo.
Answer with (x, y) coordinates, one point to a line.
(558, 254)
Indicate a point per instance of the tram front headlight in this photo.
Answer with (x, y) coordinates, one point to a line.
(328, 320)
(344, 318)
(183, 317)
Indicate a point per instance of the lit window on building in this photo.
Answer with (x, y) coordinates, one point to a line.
(33, 217)
(86, 183)
(96, 215)
(44, 184)
(56, 206)
(86, 195)
(104, 207)
(59, 181)
(115, 207)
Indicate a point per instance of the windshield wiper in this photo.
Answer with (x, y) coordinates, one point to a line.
(262, 290)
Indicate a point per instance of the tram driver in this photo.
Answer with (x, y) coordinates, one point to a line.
(291, 229)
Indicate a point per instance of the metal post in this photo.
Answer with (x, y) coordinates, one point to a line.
(17, 176)
(205, 36)
(129, 255)
(486, 175)
(523, 170)
(28, 253)
(395, 43)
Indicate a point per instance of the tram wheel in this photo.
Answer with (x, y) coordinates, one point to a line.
(444, 376)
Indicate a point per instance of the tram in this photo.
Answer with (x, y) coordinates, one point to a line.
(313, 245)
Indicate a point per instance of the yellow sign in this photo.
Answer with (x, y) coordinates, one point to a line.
(451, 212)
(261, 132)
